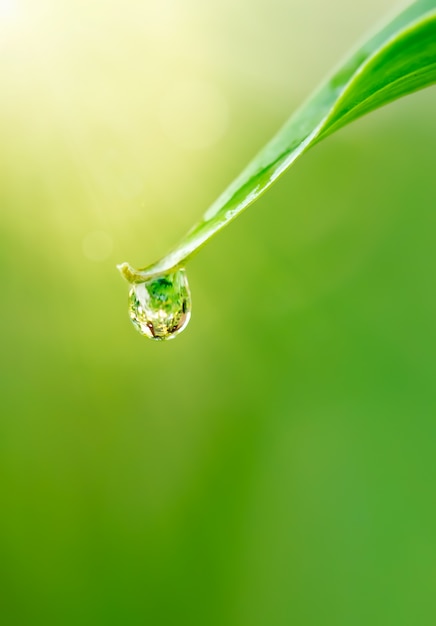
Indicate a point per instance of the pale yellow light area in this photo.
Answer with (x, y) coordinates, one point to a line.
(194, 114)
(8, 8)
(126, 117)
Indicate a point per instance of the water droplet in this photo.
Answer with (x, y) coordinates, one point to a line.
(160, 308)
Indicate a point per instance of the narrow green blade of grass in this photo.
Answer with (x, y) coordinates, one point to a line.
(399, 59)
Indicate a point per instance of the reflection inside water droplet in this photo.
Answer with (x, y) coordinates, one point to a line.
(160, 308)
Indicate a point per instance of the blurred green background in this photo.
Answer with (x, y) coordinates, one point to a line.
(275, 464)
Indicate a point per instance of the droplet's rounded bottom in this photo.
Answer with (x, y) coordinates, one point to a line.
(160, 308)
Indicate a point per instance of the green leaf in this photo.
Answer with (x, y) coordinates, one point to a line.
(399, 59)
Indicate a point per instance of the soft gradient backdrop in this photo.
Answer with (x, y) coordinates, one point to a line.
(275, 464)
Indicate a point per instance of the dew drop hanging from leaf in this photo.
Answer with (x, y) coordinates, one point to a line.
(396, 61)
(160, 308)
